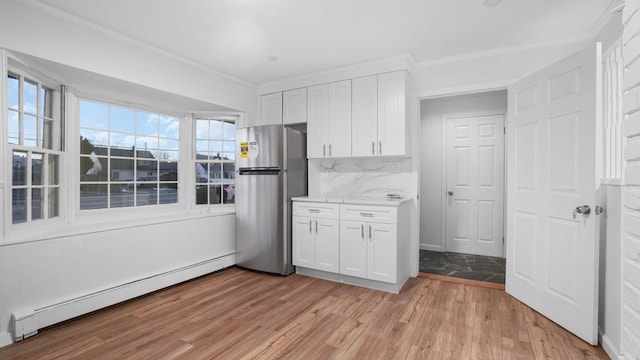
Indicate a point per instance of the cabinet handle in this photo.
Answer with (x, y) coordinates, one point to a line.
(329, 149)
(315, 211)
(324, 150)
(310, 231)
(380, 147)
(316, 226)
(362, 231)
(366, 214)
(373, 148)
(369, 232)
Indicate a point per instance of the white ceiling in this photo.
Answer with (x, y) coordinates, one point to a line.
(237, 37)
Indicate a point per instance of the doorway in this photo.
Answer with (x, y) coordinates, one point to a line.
(462, 186)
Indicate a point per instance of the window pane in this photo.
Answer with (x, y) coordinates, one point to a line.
(30, 130)
(54, 202)
(46, 95)
(168, 171)
(147, 170)
(202, 172)
(229, 187)
(122, 120)
(202, 196)
(202, 129)
(147, 124)
(202, 149)
(215, 131)
(121, 169)
(215, 194)
(215, 173)
(93, 168)
(122, 144)
(229, 148)
(37, 175)
(19, 205)
(30, 97)
(168, 150)
(93, 196)
(147, 195)
(215, 150)
(147, 146)
(168, 193)
(18, 171)
(229, 130)
(14, 127)
(37, 204)
(46, 137)
(169, 127)
(54, 178)
(13, 92)
(95, 116)
(121, 196)
(93, 141)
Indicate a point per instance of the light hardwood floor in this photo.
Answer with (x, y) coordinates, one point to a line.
(238, 314)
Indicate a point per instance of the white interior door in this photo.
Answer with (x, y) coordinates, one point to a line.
(552, 256)
(475, 185)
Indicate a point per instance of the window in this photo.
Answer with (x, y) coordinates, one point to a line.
(34, 141)
(215, 155)
(127, 157)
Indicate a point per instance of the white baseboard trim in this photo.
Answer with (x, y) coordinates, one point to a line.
(609, 347)
(431, 247)
(346, 279)
(55, 313)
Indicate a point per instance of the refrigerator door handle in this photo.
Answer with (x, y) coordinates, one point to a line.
(316, 227)
(369, 232)
(310, 231)
(362, 231)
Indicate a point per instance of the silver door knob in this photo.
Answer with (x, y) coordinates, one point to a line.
(583, 209)
(450, 193)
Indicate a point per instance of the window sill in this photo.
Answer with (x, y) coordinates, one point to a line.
(95, 222)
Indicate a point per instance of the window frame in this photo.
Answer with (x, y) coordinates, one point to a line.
(150, 209)
(236, 119)
(14, 68)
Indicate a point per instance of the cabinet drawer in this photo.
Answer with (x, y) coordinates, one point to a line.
(319, 210)
(386, 214)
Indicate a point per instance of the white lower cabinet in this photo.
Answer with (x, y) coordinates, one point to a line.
(360, 244)
(316, 236)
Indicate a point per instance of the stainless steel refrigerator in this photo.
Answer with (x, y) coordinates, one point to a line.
(271, 168)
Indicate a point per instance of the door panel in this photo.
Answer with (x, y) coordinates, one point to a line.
(317, 120)
(552, 257)
(475, 184)
(327, 245)
(339, 122)
(382, 252)
(303, 241)
(353, 249)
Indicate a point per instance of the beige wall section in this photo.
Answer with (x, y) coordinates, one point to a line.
(431, 161)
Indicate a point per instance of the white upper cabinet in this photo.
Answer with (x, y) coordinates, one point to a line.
(364, 116)
(329, 120)
(294, 106)
(392, 138)
(271, 109)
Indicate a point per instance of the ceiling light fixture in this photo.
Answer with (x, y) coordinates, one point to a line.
(491, 2)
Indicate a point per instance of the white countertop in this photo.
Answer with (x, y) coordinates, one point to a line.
(353, 200)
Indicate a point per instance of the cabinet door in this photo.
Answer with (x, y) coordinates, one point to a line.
(381, 252)
(353, 248)
(327, 245)
(364, 120)
(294, 106)
(303, 247)
(339, 119)
(391, 114)
(317, 121)
(271, 109)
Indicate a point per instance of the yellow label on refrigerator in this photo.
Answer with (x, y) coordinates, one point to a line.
(244, 150)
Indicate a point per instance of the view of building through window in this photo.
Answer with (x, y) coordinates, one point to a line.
(127, 157)
(34, 142)
(215, 161)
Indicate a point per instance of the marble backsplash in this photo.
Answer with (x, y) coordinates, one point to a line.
(369, 178)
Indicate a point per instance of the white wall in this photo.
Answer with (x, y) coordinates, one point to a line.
(54, 267)
(432, 113)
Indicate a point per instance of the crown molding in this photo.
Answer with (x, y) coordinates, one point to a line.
(68, 17)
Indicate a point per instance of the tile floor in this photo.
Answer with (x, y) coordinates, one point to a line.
(466, 266)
